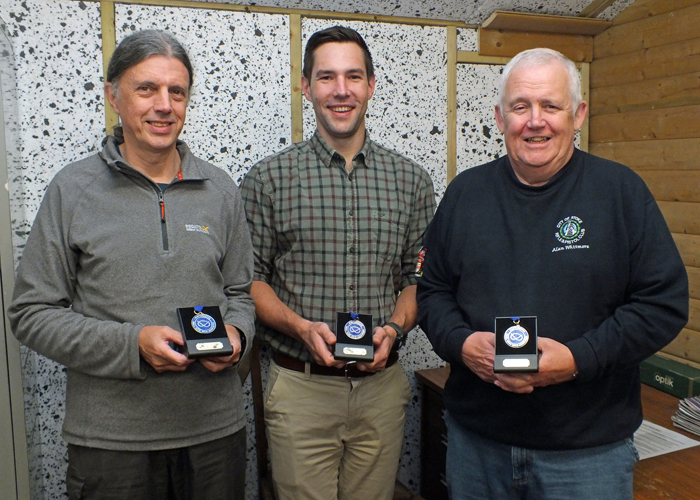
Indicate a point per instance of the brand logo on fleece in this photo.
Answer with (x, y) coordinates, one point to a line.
(197, 228)
(569, 232)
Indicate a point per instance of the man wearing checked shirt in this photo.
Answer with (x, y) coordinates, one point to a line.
(336, 223)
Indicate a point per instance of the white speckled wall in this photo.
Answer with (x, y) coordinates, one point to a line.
(58, 67)
(478, 137)
(408, 113)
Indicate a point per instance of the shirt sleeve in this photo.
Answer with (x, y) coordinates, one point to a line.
(260, 215)
(41, 314)
(417, 227)
(655, 308)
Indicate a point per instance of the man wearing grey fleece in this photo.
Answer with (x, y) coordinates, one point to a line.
(122, 239)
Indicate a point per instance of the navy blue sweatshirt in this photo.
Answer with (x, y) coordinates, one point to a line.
(590, 255)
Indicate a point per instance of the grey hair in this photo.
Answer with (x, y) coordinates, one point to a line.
(539, 57)
(141, 45)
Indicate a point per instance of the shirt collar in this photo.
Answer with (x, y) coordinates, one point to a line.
(327, 154)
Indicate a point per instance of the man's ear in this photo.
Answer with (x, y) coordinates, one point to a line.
(371, 83)
(306, 88)
(109, 92)
(499, 118)
(580, 115)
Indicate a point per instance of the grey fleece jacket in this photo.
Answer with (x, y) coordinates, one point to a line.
(101, 263)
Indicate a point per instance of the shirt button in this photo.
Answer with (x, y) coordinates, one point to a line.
(352, 249)
(351, 213)
(352, 287)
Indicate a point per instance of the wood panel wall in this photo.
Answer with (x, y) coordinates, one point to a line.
(645, 113)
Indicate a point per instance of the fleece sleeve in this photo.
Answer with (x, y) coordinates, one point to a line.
(41, 314)
(237, 270)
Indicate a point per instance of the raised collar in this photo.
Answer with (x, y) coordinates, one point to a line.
(188, 163)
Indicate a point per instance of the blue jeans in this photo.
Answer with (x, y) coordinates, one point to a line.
(481, 469)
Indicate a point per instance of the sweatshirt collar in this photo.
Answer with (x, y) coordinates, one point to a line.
(188, 163)
(566, 172)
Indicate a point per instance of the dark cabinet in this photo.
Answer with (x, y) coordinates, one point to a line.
(433, 434)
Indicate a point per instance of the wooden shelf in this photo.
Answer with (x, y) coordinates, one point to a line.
(544, 23)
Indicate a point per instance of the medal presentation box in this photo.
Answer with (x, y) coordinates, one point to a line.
(516, 345)
(203, 332)
(353, 332)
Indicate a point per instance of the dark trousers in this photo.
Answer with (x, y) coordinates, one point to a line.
(207, 471)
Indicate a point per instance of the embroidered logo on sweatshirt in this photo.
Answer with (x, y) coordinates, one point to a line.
(197, 228)
(569, 232)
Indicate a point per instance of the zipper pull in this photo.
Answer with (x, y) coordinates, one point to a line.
(162, 207)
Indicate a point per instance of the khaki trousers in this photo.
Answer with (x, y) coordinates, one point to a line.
(332, 438)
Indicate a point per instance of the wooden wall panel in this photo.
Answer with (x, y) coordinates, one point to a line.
(658, 62)
(686, 345)
(694, 281)
(673, 185)
(669, 123)
(642, 9)
(689, 248)
(667, 92)
(681, 217)
(669, 154)
(670, 27)
(694, 315)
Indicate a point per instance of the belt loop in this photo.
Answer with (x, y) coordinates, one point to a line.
(307, 370)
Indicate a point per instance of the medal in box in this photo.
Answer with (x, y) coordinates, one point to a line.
(516, 345)
(203, 332)
(353, 332)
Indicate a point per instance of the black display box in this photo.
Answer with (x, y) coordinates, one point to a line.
(353, 332)
(203, 332)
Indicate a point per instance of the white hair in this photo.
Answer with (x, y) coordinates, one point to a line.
(539, 57)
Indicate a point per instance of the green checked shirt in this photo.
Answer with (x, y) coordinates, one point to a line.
(327, 241)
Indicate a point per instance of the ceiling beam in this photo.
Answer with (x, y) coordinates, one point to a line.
(595, 8)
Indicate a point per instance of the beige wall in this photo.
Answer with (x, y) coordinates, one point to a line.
(645, 113)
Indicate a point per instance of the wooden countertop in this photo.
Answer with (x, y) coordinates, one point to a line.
(673, 476)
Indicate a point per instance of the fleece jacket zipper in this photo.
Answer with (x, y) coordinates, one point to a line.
(163, 224)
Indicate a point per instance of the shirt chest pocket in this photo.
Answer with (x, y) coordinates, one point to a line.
(388, 233)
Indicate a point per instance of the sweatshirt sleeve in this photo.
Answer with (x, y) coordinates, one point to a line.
(439, 315)
(656, 305)
(237, 270)
(41, 313)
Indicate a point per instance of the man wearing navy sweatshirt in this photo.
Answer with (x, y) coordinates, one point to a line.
(577, 241)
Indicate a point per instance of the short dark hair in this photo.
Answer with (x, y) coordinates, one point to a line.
(340, 34)
(141, 45)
